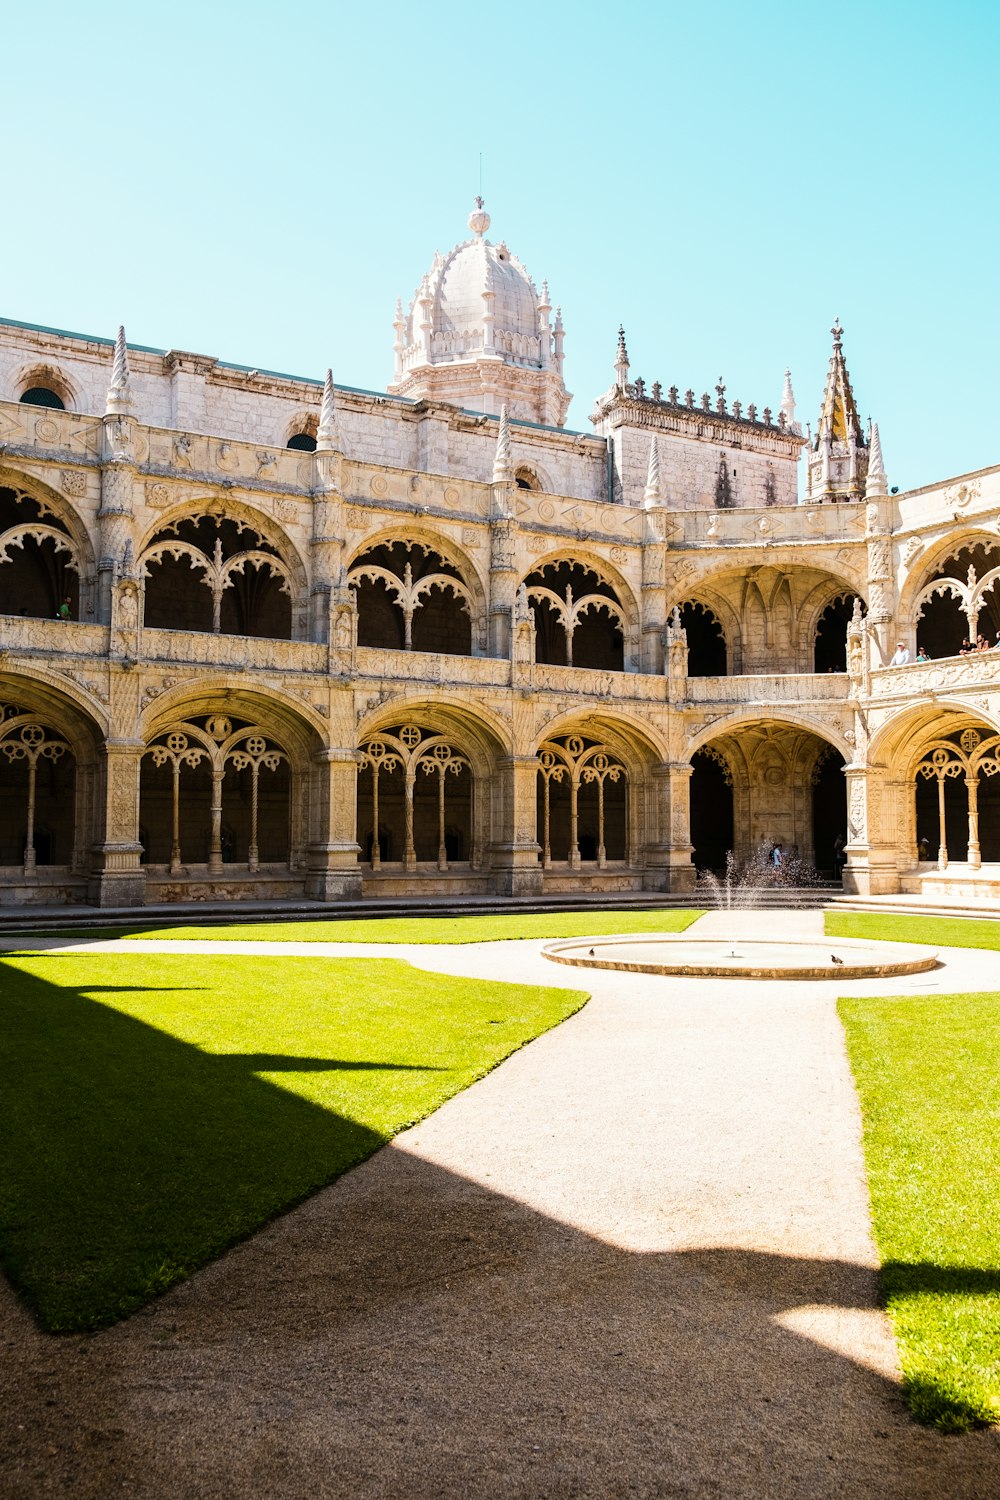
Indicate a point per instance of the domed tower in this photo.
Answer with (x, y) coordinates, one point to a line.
(479, 335)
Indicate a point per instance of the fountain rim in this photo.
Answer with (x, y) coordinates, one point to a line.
(901, 959)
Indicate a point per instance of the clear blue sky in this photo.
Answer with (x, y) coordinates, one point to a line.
(259, 182)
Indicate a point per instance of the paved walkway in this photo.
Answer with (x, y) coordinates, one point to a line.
(634, 1260)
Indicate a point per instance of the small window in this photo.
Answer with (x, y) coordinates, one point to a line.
(303, 442)
(40, 395)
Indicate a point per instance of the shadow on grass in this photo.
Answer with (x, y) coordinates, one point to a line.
(129, 1158)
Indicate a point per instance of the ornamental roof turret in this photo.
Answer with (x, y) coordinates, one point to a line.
(838, 460)
(478, 334)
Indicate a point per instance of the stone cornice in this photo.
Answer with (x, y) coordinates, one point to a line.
(628, 409)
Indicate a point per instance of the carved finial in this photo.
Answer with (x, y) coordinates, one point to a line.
(479, 219)
(720, 396)
(856, 614)
(503, 467)
(120, 389)
(326, 436)
(876, 482)
(653, 493)
(621, 360)
(837, 332)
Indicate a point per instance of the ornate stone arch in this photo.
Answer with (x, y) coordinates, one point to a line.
(472, 573)
(245, 515)
(787, 718)
(55, 505)
(588, 557)
(826, 592)
(47, 721)
(920, 573)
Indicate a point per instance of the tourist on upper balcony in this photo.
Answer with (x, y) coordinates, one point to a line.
(922, 654)
(965, 648)
(982, 644)
(901, 656)
(65, 611)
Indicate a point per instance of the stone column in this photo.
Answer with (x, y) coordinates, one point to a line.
(503, 578)
(116, 875)
(872, 861)
(672, 854)
(115, 516)
(327, 542)
(653, 597)
(332, 871)
(515, 870)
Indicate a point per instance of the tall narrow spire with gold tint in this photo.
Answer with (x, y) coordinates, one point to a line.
(838, 459)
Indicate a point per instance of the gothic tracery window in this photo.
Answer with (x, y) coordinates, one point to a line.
(579, 619)
(215, 792)
(414, 799)
(960, 602)
(582, 803)
(39, 562)
(215, 573)
(37, 786)
(410, 598)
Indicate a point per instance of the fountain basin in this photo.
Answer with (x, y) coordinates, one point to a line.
(743, 958)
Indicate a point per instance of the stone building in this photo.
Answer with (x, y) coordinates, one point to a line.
(265, 637)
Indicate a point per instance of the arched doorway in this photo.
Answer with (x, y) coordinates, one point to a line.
(712, 833)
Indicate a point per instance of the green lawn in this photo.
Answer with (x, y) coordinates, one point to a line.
(928, 1075)
(156, 1111)
(484, 929)
(901, 927)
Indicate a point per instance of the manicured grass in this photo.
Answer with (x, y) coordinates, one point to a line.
(475, 929)
(902, 927)
(155, 1111)
(928, 1075)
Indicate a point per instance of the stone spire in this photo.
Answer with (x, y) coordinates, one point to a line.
(120, 390)
(327, 437)
(838, 418)
(788, 400)
(503, 466)
(838, 459)
(653, 494)
(876, 483)
(621, 361)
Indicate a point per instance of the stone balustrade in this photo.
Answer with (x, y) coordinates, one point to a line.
(773, 688)
(589, 682)
(430, 666)
(981, 669)
(202, 649)
(52, 637)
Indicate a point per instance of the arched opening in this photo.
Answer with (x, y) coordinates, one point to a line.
(209, 573)
(182, 824)
(38, 565)
(302, 442)
(42, 395)
(957, 609)
(527, 479)
(831, 634)
(787, 788)
(706, 640)
(411, 598)
(579, 619)
(37, 792)
(829, 813)
(957, 798)
(415, 799)
(582, 803)
(711, 810)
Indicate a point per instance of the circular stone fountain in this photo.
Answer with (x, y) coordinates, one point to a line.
(744, 958)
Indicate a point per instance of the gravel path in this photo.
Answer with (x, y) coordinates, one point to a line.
(633, 1261)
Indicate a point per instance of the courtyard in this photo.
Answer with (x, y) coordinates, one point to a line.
(633, 1257)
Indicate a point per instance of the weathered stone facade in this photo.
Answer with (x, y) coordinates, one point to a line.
(433, 649)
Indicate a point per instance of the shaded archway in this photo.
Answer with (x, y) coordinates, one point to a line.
(830, 652)
(582, 802)
(712, 833)
(706, 640)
